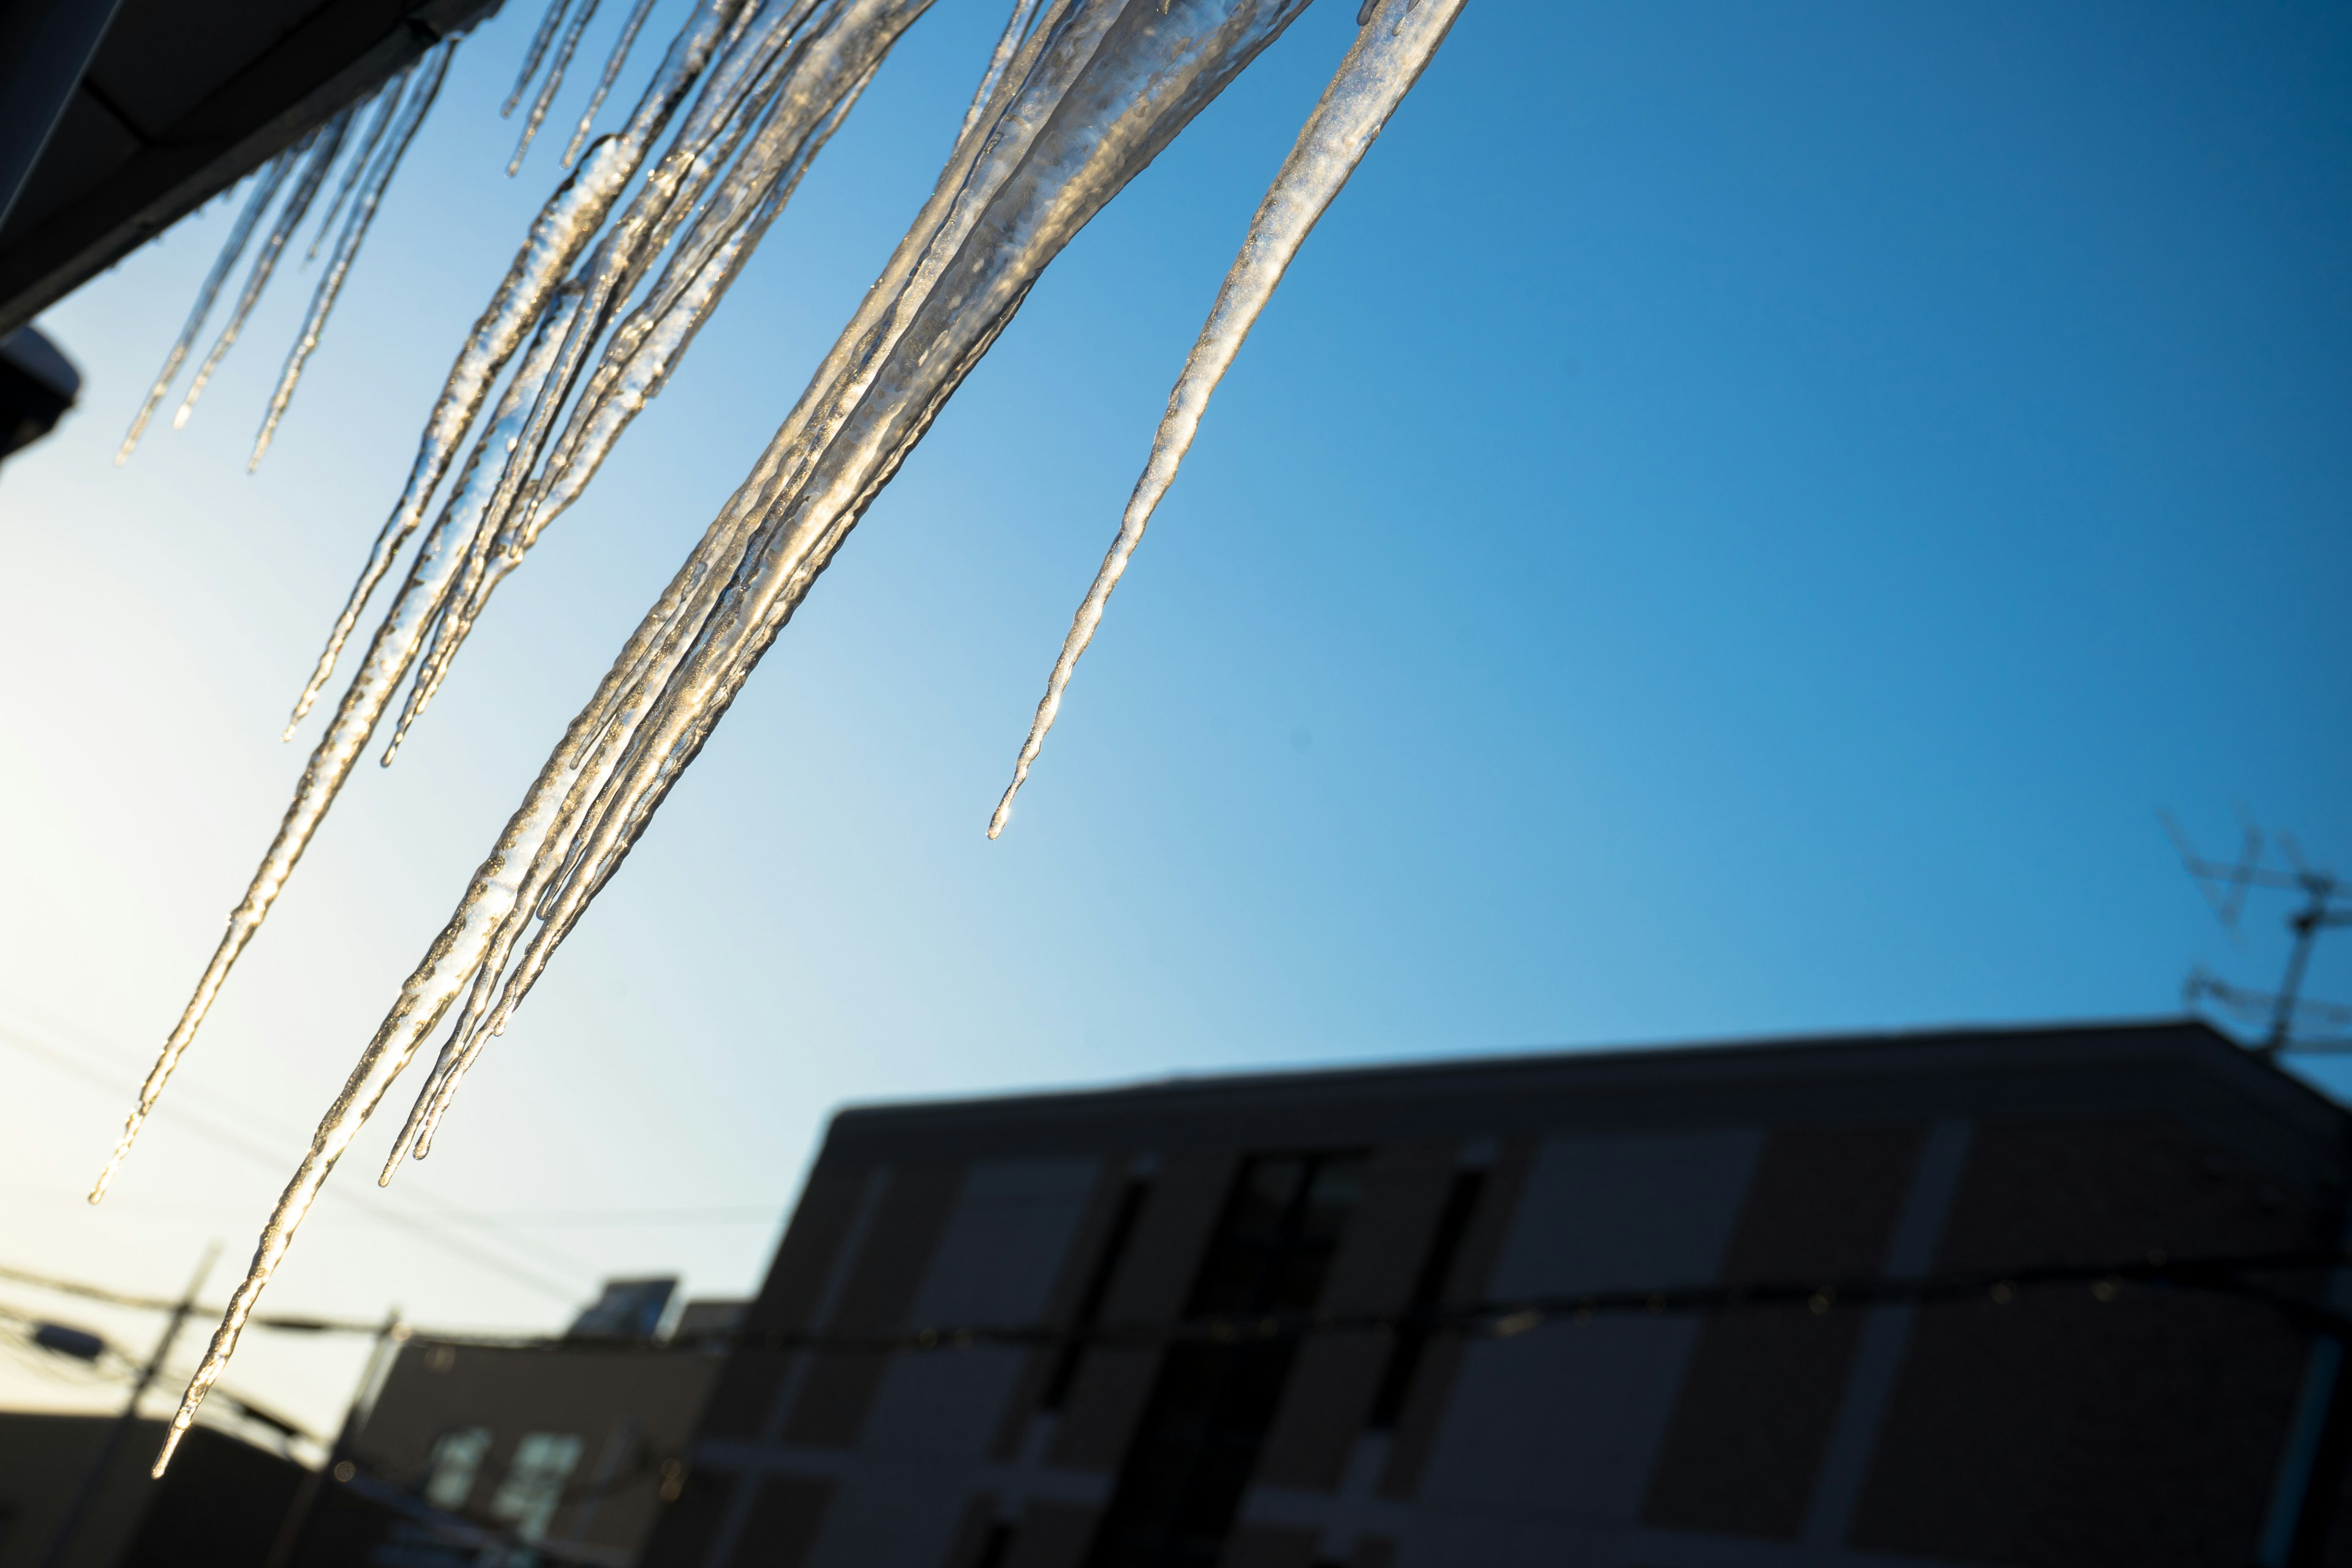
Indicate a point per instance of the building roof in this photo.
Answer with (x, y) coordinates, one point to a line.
(2182, 1070)
(179, 104)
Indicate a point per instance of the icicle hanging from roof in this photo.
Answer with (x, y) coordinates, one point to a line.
(377, 177)
(1389, 57)
(1072, 106)
(265, 191)
(772, 96)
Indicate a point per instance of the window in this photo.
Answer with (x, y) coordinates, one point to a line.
(1428, 1294)
(1182, 1480)
(994, 1545)
(527, 1497)
(1090, 1304)
(456, 1459)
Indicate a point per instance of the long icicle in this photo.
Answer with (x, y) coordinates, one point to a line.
(330, 764)
(744, 77)
(273, 174)
(1015, 29)
(532, 56)
(564, 227)
(535, 850)
(387, 109)
(1060, 148)
(1392, 49)
(647, 347)
(1116, 80)
(347, 246)
(554, 82)
(613, 64)
(319, 154)
(532, 854)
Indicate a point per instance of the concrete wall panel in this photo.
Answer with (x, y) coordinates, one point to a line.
(1567, 1419)
(933, 1413)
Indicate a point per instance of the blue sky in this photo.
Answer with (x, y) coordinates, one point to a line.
(1732, 526)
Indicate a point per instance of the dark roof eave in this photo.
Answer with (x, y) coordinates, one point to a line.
(294, 86)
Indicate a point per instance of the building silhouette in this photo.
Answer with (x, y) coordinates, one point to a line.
(2038, 1296)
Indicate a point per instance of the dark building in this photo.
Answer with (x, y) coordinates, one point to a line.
(220, 1505)
(2072, 1390)
(556, 1451)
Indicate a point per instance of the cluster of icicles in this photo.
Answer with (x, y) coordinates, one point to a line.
(604, 298)
(370, 160)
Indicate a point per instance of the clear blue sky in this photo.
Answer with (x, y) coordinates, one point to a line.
(1732, 526)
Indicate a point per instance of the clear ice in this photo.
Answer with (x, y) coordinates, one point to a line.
(1079, 98)
(548, 24)
(377, 177)
(553, 84)
(1387, 57)
(564, 225)
(387, 108)
(265, 191)
(613, 64)
(316, 153)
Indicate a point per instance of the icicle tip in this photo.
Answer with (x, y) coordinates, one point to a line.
(114, 1161)
(171, 1441)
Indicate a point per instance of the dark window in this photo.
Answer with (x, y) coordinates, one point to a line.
(1211, 1405)
(994, 1545)
(1428, 1292)
(1090, 1303)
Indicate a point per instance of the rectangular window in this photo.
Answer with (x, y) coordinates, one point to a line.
(527, 1499)
(1183, 1480)
(456, 1460)
(1090, 1303)
(1428, 1292)
(994, 1546)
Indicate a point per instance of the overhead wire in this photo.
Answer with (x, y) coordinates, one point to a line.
(2223, 1274)
(388, 1213)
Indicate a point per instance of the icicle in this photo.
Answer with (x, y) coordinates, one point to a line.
(743, 78)
(1097, 90)
(554, 81)
(387, 106)
(318, 151)
(640, 381)
(346, 247)
(563, 226)
(273, 174)
(532, 56)
(1059, 148)
(1392, 46)
(1014, 31)
(388, 658)
(613, 64)
(566, 224)
(644, 349)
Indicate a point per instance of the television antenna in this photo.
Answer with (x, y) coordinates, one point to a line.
(2225, 886)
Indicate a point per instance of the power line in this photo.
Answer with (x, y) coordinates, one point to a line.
(2238, 1275)
(159, 1304)
(388, 1213)
(735, 1213)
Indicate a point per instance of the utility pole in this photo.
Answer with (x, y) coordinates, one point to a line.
(305, 1496)
(93, 1479)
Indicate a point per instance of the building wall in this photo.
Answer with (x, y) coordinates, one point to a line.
(220, 1503)
(2055, 1426)
(634, 1408)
